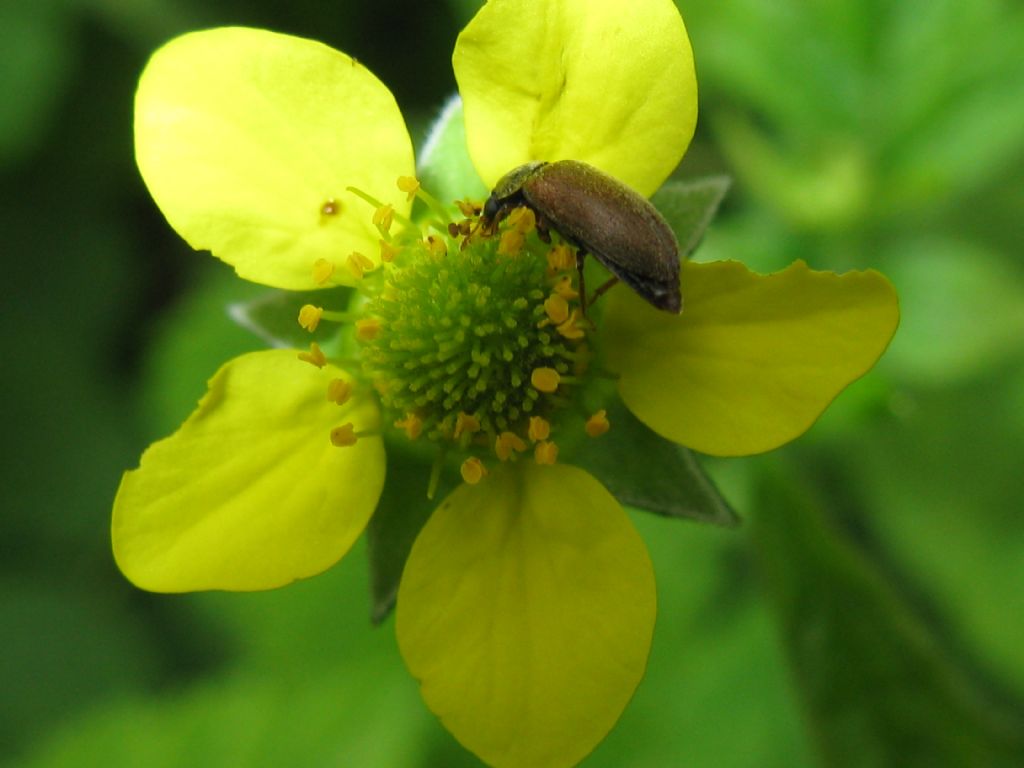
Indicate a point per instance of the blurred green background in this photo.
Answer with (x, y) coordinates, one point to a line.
(869, 613)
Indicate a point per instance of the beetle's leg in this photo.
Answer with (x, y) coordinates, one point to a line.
(581, 255)
(603, 289)
(542, 229)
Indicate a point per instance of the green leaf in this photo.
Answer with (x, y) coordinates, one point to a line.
(689, 207)
(444, 167)
(962, 310)
(274, 316)
(646, 471)
(360, 712)
(402, 511)
(37, 42)
(878, 686)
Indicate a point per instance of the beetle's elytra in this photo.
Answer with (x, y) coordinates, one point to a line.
(601, 216)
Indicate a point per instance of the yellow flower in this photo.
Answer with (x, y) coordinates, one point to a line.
(527, 604)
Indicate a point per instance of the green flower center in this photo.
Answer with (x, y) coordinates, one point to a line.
(462, 331)
(474, 336)
(473, 339)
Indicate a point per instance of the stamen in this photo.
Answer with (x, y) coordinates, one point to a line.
(523, 219)
(436, 245)
(468, 209)
(315, 356)
(545, 379)
(383, 218)
(344, 436)
(410, 186)
(367, 197)
(569, 329)
(331, 207)
(561, 258)
(563, 287)
(309, 317)
(545, 453)
(597, 424)
(556, 308)
(388, 252)
(367, 329)
(540, 429)
(339, 391)
(322, 271)
(506, 443)
(465, 424)
(511, 243)
(358, 264)
(412, 424)
(473, 470)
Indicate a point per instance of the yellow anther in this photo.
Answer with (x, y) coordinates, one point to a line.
(412, 424)
(557, 308)
(523, 219)
(339, 391)
(598, 424)
(569, 329)
(545, 452)
(467, 208)
(506, 443)
(358, 264)
(315, 356)
(410, 186)
(383, 217)
(367, 329)
(561, 258)
(465, 424)
(344, 436)
(545, 379)
(388, 252)
(473, 470)
(322, 271)
(331, 207)
(436, 245)
(563, 287)
(512, 242)
(539, 429)
(309, 317)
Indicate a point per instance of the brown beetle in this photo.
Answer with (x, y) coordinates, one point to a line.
(599, 215)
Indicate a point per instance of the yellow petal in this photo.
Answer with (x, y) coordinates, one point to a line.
(248, 139)
(526, 610)
(589, 80)
(753, 360)
(250, 493)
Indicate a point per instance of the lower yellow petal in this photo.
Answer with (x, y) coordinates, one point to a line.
(753, 360)
(250, 493)
(526, 611)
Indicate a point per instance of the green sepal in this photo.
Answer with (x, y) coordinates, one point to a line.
(648, 472)
(689, 207)
(401, 513)
(444, 169)
(274, 316)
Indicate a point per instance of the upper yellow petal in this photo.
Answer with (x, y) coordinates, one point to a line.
(753, 360)
(248, 140)
(250, 493)
(592, 80)
(526, 611)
